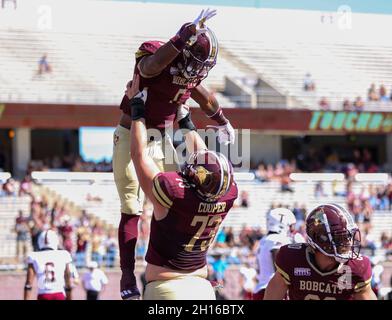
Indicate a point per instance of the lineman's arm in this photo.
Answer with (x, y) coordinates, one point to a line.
(192, 139)
(145, 167)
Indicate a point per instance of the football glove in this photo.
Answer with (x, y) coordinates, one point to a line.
(226, 133)
(189, 32)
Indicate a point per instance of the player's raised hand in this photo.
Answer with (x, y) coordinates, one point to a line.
(203, 17)
(188, 33)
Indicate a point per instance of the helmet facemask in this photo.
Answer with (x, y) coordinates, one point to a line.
(199, 57)
(341, 244)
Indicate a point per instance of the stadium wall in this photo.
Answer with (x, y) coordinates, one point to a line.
(268, 126)
(67, 116)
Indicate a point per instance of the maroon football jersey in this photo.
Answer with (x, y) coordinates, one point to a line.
(165, 91)
(180, 241)
(296, 265)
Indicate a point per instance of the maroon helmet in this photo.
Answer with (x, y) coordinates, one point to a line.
(199, 56)
(209, 173)
(332, 231)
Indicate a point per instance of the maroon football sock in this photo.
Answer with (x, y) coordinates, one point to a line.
(127, 238)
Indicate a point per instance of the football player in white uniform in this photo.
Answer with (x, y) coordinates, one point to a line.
(279, 221)
(52, 268)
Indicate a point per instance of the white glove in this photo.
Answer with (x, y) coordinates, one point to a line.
(226, 133)
(199, 22)
(203, 17)
(182, 112)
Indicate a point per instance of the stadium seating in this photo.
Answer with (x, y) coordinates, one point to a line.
(75, 77)
(343, 64)
(97, 194)
(9, 207)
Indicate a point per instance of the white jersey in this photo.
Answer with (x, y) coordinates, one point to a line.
(49, 266)
(95, 280)
(265, 262)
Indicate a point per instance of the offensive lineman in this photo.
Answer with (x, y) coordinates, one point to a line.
(189, 207)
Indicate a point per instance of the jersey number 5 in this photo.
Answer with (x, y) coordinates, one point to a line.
(205, 221)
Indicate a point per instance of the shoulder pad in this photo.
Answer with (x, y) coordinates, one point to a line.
(162, 190)
(147, 48)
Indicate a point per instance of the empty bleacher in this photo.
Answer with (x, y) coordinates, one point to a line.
(92, 60)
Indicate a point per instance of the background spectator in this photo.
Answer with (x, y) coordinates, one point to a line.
(383, 93)
(359, 104)
(324, 104)
(43, 65)
(94, 281)
(22, 235)
(248, 280)
(372, 93)
(309, 84)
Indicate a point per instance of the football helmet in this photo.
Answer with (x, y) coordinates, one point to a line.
(48, 239)
(332, 231)
(209, 173)
(279, 220)
(199, 56)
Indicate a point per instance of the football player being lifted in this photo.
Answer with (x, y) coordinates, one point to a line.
(329, 266)
(189, 206)
(173, 72)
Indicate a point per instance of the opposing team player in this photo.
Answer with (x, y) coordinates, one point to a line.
(189, 207)
(52, 268)
(279, 221)
(329, 266)
(173, 72)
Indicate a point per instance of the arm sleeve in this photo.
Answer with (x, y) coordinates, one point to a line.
(162, 190)
(281, 266)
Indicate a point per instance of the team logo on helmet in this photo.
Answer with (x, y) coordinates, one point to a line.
(209, 173)
(332, 231)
